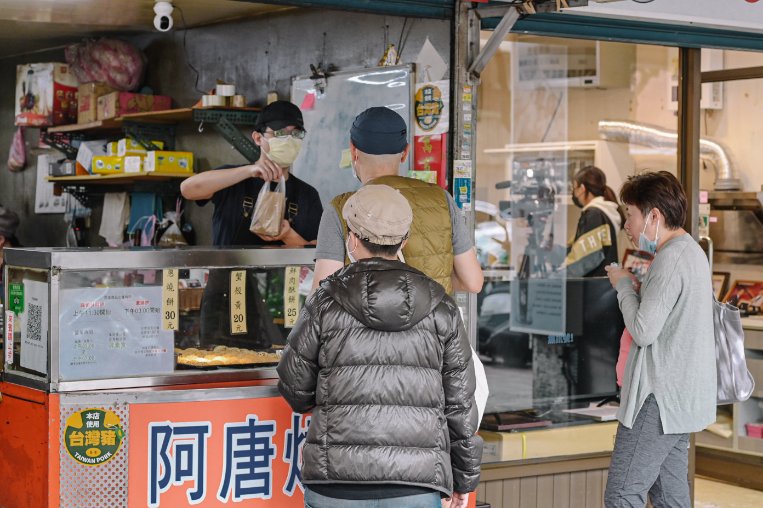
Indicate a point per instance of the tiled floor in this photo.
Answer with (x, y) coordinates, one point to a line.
(713, 494)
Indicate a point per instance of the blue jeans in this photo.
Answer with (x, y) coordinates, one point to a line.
(315, 500)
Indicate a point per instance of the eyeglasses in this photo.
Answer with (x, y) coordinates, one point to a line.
(295, 133)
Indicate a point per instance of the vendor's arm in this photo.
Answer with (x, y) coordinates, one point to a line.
(467, 272)
(330, 253)
(206, 184)
(288, 236)
(645, 316)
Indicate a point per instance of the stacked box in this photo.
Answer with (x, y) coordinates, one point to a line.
(87, 108)
(122, 103)
(46, 94)
(107, 165)
(168, 162)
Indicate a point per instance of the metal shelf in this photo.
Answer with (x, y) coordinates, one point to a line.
(225, 120)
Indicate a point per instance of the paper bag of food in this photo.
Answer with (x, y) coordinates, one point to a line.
(269, 210)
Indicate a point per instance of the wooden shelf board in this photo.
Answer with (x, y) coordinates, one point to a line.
(110, 124)
(165, 116)
(121, 178)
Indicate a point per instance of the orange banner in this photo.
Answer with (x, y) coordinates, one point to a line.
(216, 453)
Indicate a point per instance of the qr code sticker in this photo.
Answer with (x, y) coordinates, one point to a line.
(34, 322)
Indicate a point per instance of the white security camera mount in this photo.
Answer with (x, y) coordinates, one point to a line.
(163, 19)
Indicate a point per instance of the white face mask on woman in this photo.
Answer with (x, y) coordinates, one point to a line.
(284, 150)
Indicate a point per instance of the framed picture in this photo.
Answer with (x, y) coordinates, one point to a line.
(747, 295)
(720, 284)
(637, 261)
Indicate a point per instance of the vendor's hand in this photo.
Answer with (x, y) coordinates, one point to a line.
(266, 169)
(615, 274)
(285, 228)
(459, 500)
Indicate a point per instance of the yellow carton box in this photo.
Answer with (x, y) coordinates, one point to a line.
(107, 165)
(555, 442)
(168, 162)
(127, 146)
(111, 148)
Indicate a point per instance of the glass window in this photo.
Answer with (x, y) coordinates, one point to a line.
(549, 326)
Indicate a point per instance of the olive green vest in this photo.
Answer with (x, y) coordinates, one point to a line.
(430, 244)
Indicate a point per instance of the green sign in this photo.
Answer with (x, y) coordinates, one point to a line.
(16, 297)
(93, 436)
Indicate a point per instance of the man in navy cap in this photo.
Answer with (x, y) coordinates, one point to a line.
(234, 189)
(439, 245)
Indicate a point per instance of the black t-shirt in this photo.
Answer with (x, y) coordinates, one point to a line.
(230, 227)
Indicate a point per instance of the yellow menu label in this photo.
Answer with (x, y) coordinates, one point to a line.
(170, 317)
(291, 296)
(238, 302)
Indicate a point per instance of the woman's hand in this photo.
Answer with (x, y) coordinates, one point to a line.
(616, 274)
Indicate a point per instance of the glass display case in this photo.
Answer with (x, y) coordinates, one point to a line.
(86, 319)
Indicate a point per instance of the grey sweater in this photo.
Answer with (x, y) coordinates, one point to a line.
(673, 351)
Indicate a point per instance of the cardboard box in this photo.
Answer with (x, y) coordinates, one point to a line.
(121, 103)
(127, 146)
(46, 94)
(107, 165)
(62, 167)
(87, 109)
(88, 150)
(554, 442)
(133, 164)
(168, 162)
(112, 148)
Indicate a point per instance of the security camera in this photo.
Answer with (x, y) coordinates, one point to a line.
(163, 18)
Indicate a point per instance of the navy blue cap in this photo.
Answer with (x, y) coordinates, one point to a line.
(379, 131)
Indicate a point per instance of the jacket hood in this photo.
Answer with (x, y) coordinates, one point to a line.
(609, 208)
(384, 295)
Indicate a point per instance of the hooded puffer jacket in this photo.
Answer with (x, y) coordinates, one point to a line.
(380, 355)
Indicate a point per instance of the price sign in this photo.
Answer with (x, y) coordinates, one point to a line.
(170, 317)
(291, 296)
(238, 302)
(9, 337)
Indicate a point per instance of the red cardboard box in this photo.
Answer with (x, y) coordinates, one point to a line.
(87, 109)
(46, 94)
(121, 103)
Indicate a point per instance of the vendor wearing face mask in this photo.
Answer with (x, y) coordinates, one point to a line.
(595, 243)
(234, 189)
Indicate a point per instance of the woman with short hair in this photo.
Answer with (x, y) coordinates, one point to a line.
(669, 387)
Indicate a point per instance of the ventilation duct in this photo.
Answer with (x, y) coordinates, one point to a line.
(726, 177)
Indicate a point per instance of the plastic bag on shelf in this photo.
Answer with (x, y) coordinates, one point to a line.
(17, 153)
(112, 61)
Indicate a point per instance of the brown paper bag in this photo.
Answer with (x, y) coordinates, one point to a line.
(269, 210)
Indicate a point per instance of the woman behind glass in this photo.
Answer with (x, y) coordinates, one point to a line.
(669, 387)
(600, 220)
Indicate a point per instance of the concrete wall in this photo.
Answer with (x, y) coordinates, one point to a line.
(259, 55)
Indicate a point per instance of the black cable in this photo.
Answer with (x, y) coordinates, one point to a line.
(553, 117)
(185, 52)
(400, 41)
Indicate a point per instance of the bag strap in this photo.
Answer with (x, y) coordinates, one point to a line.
(247, 205)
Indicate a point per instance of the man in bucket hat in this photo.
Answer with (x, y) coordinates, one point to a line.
(380, 342)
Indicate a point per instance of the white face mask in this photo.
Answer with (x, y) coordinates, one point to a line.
(349, 252)
(284, 150)
(354, 172)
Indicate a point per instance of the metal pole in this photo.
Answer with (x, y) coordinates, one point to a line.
(689, 90)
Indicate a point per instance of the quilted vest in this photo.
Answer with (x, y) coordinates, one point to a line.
(430, 244)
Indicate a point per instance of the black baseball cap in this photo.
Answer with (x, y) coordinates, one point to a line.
(278, 115)
(379, 131)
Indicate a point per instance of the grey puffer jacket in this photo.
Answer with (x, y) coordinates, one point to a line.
(380, 355)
